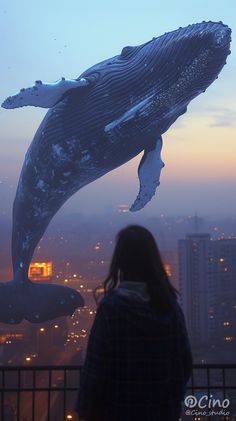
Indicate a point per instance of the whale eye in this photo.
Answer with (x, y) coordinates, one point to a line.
(126, 52)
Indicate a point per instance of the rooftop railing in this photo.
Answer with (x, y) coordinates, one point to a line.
(48, 393)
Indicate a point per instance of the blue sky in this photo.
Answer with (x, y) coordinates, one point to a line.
(49, 39)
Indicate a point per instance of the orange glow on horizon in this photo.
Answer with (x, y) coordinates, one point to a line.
(168, 269)
(196, 152)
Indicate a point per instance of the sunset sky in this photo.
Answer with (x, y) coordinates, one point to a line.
(46, 40)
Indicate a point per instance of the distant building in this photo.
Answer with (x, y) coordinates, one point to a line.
(222, 286)
(193, 252)
(207, 277)
(123, 208)
(41, 271)
(14, 339)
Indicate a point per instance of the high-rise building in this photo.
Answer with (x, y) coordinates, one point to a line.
(222, 287)
(207, 277)
(193, 252)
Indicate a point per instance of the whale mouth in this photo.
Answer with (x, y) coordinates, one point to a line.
(217, 34)
(222, 37)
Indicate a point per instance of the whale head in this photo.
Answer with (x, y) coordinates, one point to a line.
(200, 49)
(175, 67)
(163, 75)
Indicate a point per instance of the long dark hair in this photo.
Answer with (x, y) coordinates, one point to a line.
(137, 258)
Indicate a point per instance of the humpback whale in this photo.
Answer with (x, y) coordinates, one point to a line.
(95, 123)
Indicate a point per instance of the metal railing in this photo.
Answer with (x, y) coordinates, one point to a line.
(48, 393)
(216, 382)
(38, 393)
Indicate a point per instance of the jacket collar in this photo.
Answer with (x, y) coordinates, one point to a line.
(135, 291)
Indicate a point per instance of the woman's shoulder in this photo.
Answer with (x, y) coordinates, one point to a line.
(113, 303)
(109, 299)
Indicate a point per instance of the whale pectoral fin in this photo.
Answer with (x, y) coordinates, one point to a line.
(44, 95)
(149, 175)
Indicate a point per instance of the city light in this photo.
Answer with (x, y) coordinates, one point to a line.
(228, 338)
(69, 417)
(40, 271)
(28, 359)
(42, 329)
(123, 208)
(168, 269)
(56, 326)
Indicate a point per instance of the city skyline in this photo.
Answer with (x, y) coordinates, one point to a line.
(201, 284)
(73, 238)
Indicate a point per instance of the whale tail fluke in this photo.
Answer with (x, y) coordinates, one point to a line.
(36, 303)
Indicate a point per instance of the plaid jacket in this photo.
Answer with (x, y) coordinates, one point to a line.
(137, 363)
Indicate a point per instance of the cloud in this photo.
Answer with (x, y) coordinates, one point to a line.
(224, 117)
(216, 117)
